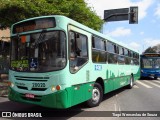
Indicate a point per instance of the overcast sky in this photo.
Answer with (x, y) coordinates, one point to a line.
(138, 36)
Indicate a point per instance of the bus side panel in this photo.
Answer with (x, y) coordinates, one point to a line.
(109, 85)
(123, 76)
(108, 82)
(80, 93)
(116, 77)
(137, 74)
(119, 82)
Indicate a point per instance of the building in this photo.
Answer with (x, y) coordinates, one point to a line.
(4, 51)
(5, 35)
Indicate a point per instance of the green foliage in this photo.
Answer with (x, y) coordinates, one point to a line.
(150, 50)
(17, 10)
(154, 49)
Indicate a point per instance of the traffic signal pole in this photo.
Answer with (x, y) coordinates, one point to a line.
(133, 15)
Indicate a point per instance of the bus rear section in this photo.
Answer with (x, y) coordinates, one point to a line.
(150, 65)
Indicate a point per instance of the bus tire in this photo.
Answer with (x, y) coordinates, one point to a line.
(131, 82)
(97, 95)
(155, 78)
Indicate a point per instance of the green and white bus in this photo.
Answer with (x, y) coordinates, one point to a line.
(57, 62)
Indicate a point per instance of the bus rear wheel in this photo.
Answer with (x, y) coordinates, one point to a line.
(97, 95)
(131, 82)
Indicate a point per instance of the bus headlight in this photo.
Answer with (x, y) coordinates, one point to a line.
(53, 88)
(10, 84)
(58, 87)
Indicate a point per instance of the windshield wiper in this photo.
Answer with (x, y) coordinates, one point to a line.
(41, 37)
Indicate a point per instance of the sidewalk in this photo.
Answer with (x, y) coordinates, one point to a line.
(4, 85)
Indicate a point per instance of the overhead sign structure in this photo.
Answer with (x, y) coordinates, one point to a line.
(116, 14)
(130, 14)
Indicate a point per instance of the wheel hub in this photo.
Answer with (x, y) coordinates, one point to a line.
(95, 95)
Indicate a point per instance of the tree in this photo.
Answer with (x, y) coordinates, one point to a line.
(150, 50)
(12, 11)
(154, 49)
(157, 48)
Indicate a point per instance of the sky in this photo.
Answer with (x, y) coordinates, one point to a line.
(138, 36)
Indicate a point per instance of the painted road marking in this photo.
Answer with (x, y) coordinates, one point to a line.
(157, 81)
(147, 86)
(150, 82)
(115, 107)
(135, 86)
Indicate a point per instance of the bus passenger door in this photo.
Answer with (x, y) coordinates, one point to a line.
(78, 63)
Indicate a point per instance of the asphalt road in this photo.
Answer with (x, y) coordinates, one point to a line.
(144, 96)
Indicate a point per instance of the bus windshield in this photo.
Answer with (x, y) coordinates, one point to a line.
(38, 52)
(153, 63)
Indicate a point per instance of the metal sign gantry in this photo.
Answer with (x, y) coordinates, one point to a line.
(130, 14)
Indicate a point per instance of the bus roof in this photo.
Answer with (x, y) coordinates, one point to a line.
(75, 23)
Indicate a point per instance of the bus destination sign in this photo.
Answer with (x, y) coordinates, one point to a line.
(151, 55)
(34, 25)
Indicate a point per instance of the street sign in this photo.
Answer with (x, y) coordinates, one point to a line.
(130, 14)
(116, 14)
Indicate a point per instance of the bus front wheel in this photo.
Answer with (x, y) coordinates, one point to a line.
(97, 95)
(155, 78)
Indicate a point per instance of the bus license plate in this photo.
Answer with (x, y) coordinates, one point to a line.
(28, 95)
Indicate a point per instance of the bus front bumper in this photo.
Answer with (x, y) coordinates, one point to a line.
(54, 100)
(150, 75)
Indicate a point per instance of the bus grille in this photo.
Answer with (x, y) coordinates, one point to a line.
(33, 79)
(24, 78)
(34, 89)
(21, 87)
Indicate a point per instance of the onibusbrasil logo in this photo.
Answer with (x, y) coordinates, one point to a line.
(17, 114)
